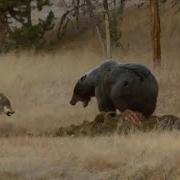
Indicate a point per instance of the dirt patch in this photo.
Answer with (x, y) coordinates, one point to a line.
(108, 123)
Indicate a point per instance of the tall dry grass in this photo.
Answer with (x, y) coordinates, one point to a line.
(138, 156)
(40, 88)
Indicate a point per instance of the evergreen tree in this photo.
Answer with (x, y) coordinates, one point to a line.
(20, 11)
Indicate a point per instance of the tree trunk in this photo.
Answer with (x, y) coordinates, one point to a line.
(108, 33)
(96, 24)
(28, 13)
(156, 32)
(121, 6)
(4, 30)
(77, 13)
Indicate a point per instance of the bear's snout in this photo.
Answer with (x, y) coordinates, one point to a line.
(73, 102)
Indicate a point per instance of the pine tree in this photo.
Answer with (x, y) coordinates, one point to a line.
(20, 11)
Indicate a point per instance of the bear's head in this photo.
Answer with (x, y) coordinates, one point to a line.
(83, 92)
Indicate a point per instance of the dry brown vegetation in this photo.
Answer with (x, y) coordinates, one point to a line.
(139, 156)
(40, 87)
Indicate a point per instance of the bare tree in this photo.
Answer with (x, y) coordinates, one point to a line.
(96, 24)
(156, 32)
(106, 29)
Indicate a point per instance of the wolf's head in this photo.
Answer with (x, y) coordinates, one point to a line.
(5, 106)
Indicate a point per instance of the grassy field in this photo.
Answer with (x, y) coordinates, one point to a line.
(139, 156)
(40, 87)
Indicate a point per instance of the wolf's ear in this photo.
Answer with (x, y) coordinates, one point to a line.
(83, 77)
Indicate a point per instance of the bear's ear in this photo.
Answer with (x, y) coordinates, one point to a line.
(83, 78)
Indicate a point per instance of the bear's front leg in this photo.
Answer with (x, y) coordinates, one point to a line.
(104, 103)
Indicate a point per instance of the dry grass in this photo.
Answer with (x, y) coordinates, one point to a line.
(40, 87)
(140, 156)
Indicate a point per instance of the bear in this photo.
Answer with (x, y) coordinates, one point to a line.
(118, 86)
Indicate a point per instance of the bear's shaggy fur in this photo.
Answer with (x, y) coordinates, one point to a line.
(118, 86)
